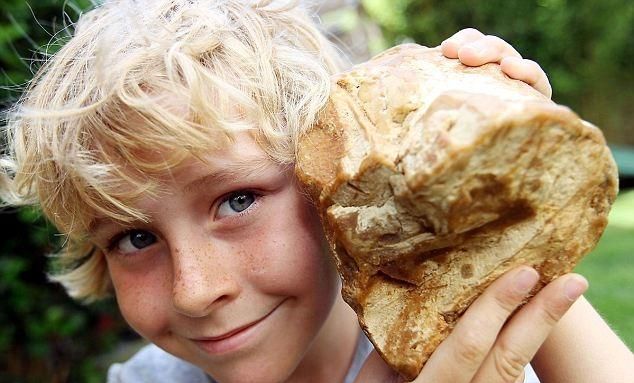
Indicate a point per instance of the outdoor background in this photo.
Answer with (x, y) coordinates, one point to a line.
(585, 47)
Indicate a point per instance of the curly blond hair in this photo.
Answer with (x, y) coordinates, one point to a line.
(231, 66)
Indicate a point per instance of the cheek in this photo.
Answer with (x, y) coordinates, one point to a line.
(290, 254)
(143, 299)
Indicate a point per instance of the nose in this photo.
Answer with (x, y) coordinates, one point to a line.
(205, 277)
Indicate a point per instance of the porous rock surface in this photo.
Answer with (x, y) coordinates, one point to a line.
(433, 179)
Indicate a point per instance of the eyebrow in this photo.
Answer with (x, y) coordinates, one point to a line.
(232, 172)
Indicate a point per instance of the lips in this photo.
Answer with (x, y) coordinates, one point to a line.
(232, 332)
(235, 339)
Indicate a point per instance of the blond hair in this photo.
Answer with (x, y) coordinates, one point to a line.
(231, 65)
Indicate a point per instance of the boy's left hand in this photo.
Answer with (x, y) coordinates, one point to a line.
(473, 48)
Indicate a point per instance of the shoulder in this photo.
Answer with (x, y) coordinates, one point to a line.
(151, 364)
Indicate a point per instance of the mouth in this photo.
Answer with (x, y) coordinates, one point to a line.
(233, 332)
(234, 339)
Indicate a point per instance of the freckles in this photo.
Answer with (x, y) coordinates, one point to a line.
(267, 264)
(260, 262)
(254, 263)
(141, 296)
(178, 282)
(142, 309)
(209, 251)
(258, 251)
(177, 273)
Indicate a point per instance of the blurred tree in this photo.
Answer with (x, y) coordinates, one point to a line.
(584, 46)
(44, 335)
(28, 32)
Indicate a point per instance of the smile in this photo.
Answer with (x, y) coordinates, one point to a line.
(234, 339)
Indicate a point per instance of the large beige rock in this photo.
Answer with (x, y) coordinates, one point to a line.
(434, 178)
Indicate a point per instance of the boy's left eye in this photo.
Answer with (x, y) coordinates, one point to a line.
(236, 203)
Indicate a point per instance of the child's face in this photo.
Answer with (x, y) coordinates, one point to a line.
(231, 273)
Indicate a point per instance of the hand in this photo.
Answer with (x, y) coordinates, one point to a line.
(473, 48)
(488, 345)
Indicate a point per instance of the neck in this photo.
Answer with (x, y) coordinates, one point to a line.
(332, 352)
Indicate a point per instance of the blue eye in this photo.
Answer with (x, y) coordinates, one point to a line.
(135, 240)
(236, 203)
(241, 202)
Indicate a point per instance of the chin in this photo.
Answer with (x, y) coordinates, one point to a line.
(261, 373)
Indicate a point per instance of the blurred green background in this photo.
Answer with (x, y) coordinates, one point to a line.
(585, 47)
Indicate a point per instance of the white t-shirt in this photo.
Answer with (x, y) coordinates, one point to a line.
(153, 365)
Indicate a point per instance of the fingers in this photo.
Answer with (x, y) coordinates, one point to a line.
(473, 48)
(528, 71)
(487, 347)
(452, 45)
(476, 332)
(528, 329)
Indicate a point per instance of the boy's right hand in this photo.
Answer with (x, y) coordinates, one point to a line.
(488, 345)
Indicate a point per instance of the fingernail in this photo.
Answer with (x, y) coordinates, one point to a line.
(574, 287)
(525, 280)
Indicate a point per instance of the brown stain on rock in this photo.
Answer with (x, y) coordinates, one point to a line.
(466, 271)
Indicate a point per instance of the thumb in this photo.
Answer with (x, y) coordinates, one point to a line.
(375, 370)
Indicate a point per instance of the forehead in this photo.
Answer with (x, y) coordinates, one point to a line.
(241, 157)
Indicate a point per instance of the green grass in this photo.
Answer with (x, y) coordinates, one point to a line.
(610, 270)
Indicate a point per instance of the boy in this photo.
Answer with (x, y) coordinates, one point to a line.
(161, 139)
